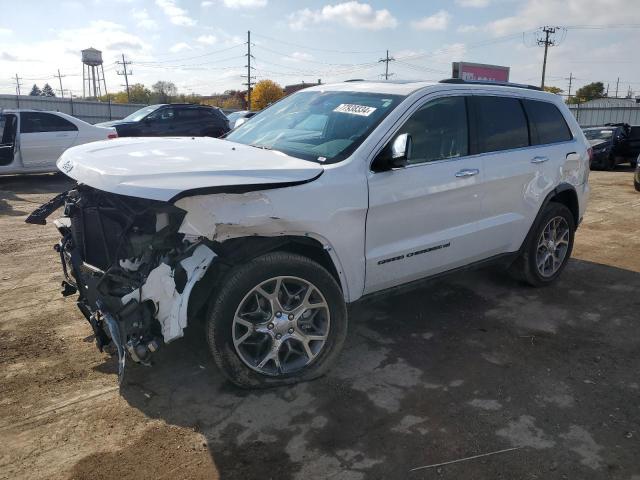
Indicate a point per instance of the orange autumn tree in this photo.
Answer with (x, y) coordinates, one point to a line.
(264, 93)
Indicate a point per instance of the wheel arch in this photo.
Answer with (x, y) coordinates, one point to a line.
(565, 194)
(239, 250)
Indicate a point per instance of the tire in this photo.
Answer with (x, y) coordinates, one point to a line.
(633, 162)
(526, 267)
(238, 289)
(637, 185)
(610, 163)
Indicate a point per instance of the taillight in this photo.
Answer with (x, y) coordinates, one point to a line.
(590, 153)
(112, 135)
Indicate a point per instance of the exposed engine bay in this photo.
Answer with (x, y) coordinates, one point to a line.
(133, 270)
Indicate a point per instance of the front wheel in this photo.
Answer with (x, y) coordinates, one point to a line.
(277, 319)
(547, 248)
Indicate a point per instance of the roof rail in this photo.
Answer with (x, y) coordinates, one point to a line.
(486, 82)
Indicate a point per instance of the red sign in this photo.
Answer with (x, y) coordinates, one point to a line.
(478, 71)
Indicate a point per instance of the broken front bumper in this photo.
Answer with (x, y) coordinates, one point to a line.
(135, 301)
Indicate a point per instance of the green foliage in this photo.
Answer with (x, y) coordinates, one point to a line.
(588, 92)
(47, 91)
(35, 91)
(556, 90)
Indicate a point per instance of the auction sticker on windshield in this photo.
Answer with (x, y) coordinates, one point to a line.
(361, 110)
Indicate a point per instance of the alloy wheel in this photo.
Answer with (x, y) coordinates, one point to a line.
(553, 245)
(281, 325)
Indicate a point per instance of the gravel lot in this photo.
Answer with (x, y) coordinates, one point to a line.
(457, 368)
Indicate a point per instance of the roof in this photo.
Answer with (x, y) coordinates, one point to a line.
(407, 87)
(389, 87)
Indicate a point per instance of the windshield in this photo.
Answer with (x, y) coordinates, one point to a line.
(319, 126)
(598, 134)
(140, 114)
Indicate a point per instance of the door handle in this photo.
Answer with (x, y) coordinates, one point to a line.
(539, 159)
(467, 172)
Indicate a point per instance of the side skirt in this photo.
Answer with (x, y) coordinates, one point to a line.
(505, 259)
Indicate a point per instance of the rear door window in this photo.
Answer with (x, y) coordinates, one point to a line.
(500, 123)
(37, 122)
(547, 123)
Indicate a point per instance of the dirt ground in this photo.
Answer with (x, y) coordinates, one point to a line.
(468, 365)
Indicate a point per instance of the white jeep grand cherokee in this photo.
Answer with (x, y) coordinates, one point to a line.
(331, 194)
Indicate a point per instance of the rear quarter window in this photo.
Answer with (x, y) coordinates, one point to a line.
(36, 122)
(547, 123)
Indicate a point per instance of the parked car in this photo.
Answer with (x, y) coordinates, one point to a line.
(32, 140)
(636, 175)
(612, 144)
(238, 118)
(633, 144)
(334, 193)
(172, 120)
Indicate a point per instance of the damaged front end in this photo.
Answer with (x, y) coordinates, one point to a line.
(132, 269)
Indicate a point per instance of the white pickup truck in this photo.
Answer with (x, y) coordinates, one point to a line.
(331, 194)
(31, 141)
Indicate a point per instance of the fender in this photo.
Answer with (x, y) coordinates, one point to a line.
(556, 192)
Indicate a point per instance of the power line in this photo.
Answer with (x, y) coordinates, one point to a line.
(180, 59)
(126, 74)
(315, 48)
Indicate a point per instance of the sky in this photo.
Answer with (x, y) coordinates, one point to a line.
(200, 45)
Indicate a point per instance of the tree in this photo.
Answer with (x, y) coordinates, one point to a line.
(588, 92)
(47, 91)
(138, 93)
(265, 93)
(233, 103)
(556, 90)
(35, 91)
(163, 91)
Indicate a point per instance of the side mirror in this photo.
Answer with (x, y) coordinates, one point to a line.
(395, 155)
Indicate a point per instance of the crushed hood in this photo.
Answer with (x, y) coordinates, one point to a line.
(167, 168)
(597, 142)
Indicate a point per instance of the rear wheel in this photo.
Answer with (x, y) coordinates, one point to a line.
(610, 163)
(278, 319)
(547, 248)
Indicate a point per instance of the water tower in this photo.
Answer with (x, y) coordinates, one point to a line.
(92, 73)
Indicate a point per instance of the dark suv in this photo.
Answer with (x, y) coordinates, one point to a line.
(172, 120)
(613, 143)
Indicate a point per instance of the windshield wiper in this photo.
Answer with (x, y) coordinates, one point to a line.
(263, 147)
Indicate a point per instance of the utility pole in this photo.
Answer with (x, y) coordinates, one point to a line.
(60, 77)
(18, 85)
(607, 92)
(386, 60)
(547, 42)
(249, 68)
(126, 74)
(617, 83)
(570, 80)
